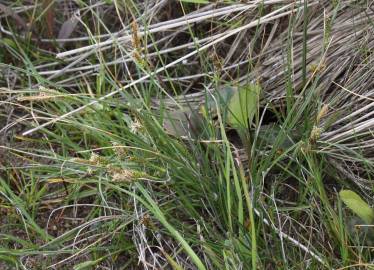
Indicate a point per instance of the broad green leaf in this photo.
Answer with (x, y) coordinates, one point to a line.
(270, 134)
(85, 265)
(243, 105)
(220, 98)
(183, 123)
(357, 205)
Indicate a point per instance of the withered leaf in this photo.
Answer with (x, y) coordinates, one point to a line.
(68, 27)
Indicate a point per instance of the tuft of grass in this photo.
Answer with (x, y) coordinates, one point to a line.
(123, 142)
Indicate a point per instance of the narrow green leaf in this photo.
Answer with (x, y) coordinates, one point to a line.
(153, 207)
(357, 205)
(172, 262)
(243, 105)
